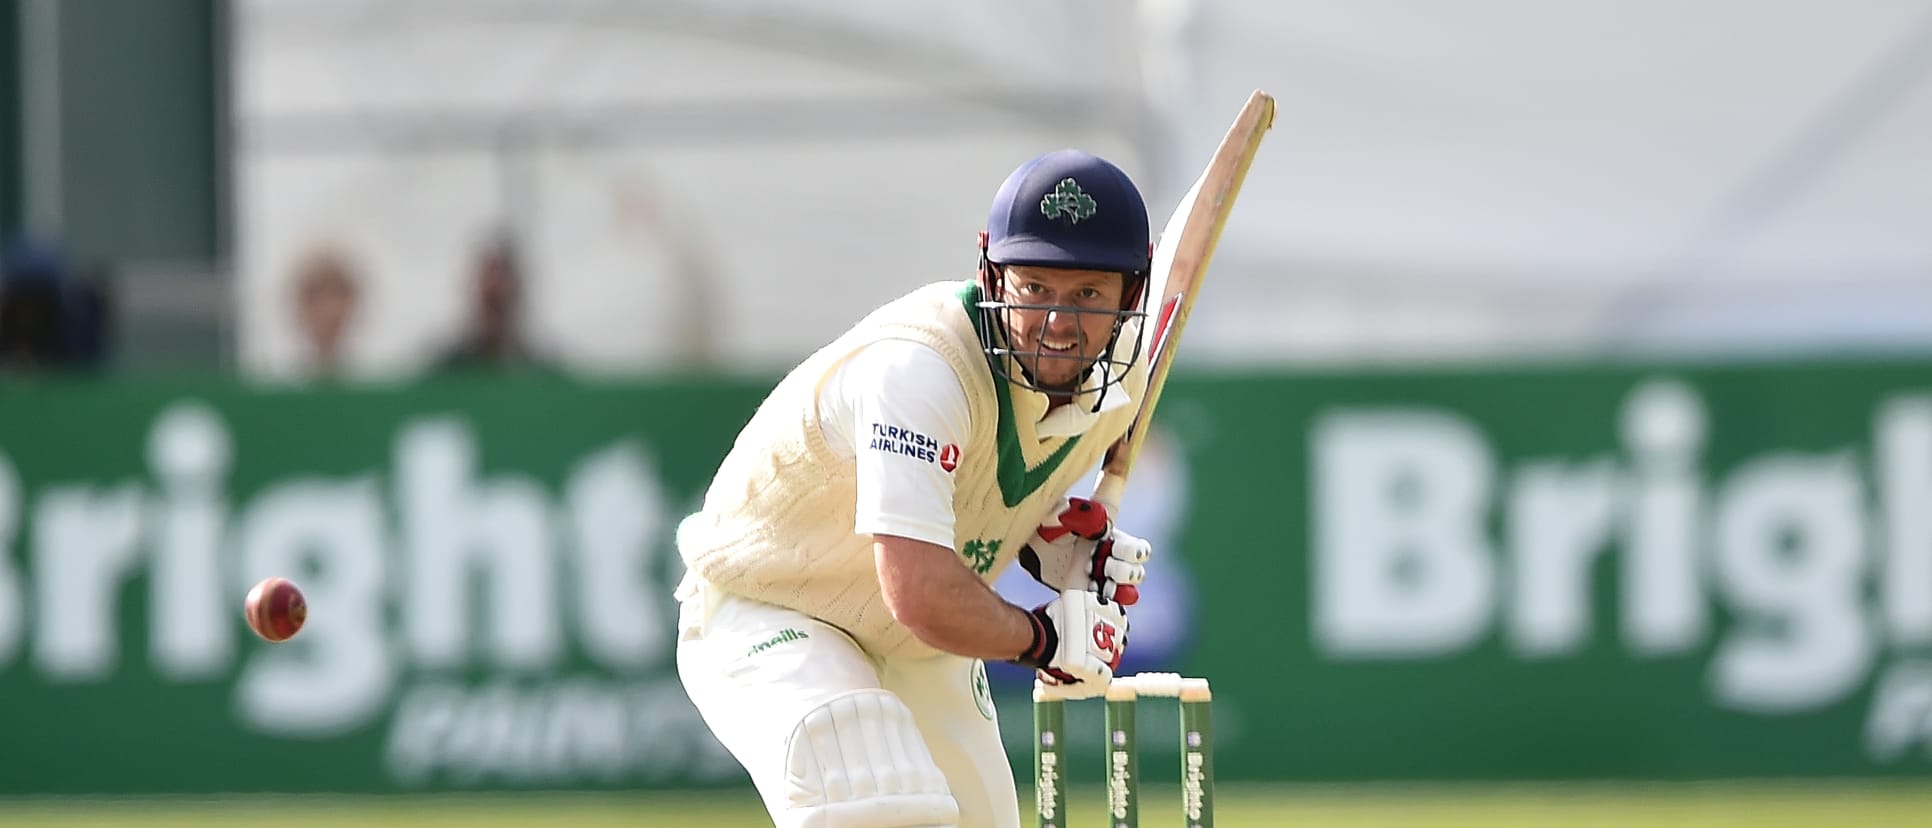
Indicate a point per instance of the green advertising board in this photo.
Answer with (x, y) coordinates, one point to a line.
(1669, 572)
(1684, 572)
(488, 568)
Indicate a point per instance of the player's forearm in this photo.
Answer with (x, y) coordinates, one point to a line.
(944, 605)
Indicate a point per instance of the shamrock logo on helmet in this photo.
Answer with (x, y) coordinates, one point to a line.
(1069, 201)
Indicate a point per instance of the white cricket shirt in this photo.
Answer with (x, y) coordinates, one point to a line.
(894, 406)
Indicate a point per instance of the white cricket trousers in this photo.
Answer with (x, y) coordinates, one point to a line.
(755, 671)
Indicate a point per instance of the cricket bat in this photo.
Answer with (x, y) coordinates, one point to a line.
(1180, 263)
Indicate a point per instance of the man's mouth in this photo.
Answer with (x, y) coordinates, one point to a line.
(1059, 346)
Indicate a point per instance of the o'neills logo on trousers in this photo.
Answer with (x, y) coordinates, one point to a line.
(787, 636)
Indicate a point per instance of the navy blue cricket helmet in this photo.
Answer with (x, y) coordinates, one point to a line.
(1065, 209)
(1069, 209)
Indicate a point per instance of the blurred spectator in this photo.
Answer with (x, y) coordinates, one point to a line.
(493, 341)
(48, 321)
(88, 318)
(327, 294)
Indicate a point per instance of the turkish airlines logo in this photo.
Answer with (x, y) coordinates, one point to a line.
(949, 456)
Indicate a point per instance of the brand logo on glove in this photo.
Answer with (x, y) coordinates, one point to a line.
(1103, 636)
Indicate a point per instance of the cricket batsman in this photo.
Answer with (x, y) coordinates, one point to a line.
(838, 609)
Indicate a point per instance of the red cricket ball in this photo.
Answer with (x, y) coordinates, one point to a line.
(275, 609)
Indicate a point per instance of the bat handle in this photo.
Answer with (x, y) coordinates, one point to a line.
(1108, 492)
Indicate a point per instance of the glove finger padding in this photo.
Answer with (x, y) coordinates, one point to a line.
(1125, 547)
(1123, 594)
(1117, 568)
(1121, 572)
(1121, 559)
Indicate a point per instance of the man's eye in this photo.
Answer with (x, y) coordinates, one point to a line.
(1089, 293)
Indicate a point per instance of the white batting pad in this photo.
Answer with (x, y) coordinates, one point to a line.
(858, 761)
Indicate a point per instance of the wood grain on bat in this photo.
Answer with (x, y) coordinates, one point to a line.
(1180, 261)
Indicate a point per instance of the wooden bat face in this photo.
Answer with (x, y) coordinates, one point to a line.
(1180, 261)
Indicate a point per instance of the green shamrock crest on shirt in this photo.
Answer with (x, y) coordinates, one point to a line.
(980, 554)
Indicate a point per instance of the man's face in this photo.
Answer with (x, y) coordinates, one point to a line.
(327, 305)
(496, 292)
(1057, 346)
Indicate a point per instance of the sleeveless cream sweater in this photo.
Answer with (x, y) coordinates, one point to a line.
(777, 521)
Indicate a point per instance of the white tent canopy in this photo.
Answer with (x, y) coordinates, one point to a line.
(1601, 175)
(737, 179)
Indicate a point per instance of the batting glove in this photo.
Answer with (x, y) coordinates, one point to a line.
(1078, 640)
(1082, 549)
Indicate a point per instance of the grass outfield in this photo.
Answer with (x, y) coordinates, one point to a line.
(1758, 805)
